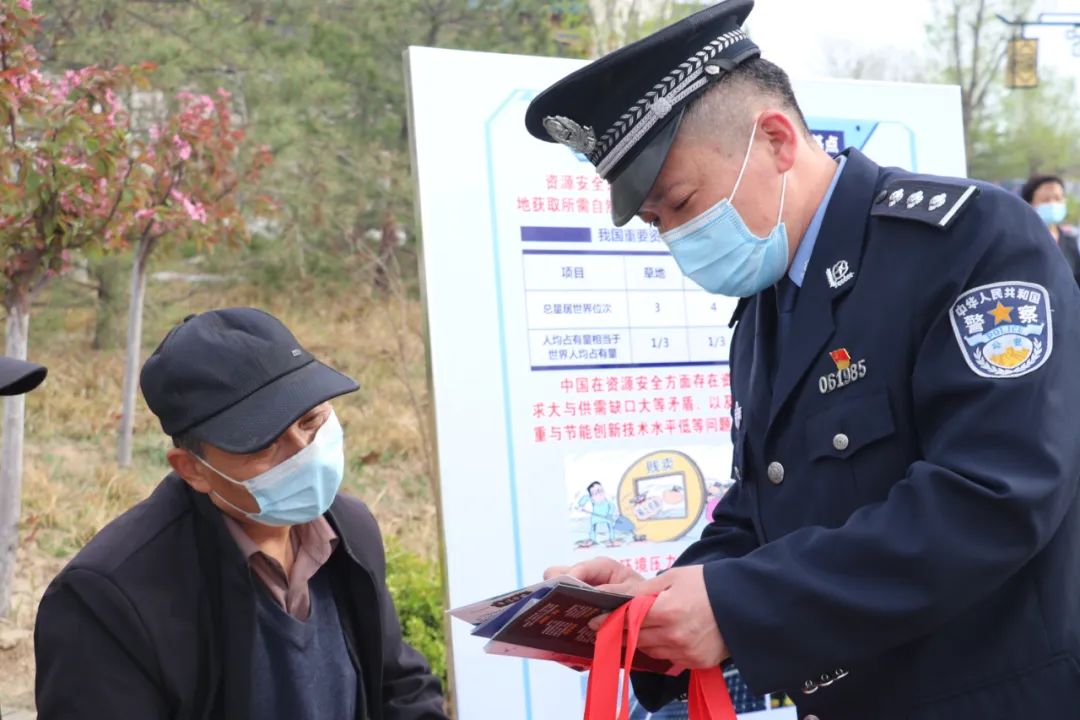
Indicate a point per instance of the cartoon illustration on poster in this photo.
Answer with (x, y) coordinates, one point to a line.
(621, 499)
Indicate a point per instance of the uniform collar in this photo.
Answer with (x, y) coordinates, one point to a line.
(831, 273)
(797, 271)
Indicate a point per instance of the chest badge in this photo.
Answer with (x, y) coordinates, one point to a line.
(848, 371)
(839, 274)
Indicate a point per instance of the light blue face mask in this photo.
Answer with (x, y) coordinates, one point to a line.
(302, 487)
(718, 252)
(1051, 213)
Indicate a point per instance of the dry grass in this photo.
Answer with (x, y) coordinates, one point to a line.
(73, 487)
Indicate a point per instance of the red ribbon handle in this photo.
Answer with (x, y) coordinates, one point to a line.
(708, 697)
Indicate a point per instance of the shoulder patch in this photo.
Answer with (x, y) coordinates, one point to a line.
(927, 201)
(1004, 329)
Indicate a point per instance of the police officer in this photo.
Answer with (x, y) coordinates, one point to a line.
(901, 540)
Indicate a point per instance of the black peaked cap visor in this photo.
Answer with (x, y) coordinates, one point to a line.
(18, 377)
(631, 185)
(255, 422)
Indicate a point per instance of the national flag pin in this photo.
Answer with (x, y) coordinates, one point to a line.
(842, 358)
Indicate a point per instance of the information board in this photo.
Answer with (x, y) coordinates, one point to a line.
(581, 389)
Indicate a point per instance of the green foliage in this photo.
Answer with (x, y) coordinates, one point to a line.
(320, 82)
(1031, 131)
(416, 586)
(1009, 134)
(966, 44)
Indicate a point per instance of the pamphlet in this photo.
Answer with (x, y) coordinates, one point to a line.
(548, 621)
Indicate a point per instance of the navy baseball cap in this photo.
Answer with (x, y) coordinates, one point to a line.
(235, 378)
(624, 110)
(18, 377)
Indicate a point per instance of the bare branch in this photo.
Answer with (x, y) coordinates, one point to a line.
(979, 95)
(976, 37)
(116, 203)
(11, 115)
(957, 58)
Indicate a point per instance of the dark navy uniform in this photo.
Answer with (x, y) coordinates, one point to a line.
(905, 543)
(902, 541)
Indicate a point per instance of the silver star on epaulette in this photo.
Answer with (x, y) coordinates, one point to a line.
(569, 133)
(895, 197)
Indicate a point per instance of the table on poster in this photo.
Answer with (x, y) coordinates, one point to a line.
(613, 309)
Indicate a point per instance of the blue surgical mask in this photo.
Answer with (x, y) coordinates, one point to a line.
(718, 252)
(1051, 213)
(302, 487)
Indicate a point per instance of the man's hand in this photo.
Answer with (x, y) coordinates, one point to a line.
(601, 572)
(680, 627)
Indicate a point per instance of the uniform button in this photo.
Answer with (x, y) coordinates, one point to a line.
(881, 196)
(841, 441)
(776, 473)
(811, 717)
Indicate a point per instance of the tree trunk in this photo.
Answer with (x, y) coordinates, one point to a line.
(106, 271)
(134, 345)
(385, 253)
(18, 326)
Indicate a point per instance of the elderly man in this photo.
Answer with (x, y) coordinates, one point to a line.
(901, 538)
(244, 586)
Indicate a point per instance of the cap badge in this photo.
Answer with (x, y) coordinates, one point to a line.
(660, 108)
(569, 133)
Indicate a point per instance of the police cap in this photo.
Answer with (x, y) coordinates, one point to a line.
(624, 110)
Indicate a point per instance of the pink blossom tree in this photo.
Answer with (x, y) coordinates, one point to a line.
(64, 177)
(195, 163)
(75, 175)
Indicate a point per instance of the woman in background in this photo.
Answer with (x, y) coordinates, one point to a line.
(1046, 193)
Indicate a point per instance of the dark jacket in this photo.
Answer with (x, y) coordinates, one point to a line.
(155, 618)
(902, 539)
(1069, 242)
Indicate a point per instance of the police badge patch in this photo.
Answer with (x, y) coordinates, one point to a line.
(1004, 329)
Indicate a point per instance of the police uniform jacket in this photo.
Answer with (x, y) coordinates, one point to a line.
(903, 537)
(1069, 242)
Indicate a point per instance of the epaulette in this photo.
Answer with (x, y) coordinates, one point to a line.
(928, 201)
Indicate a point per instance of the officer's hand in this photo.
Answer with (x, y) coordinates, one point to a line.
(601, 571)
(681, 627)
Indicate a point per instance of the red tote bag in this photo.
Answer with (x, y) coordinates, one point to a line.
(708, 697)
